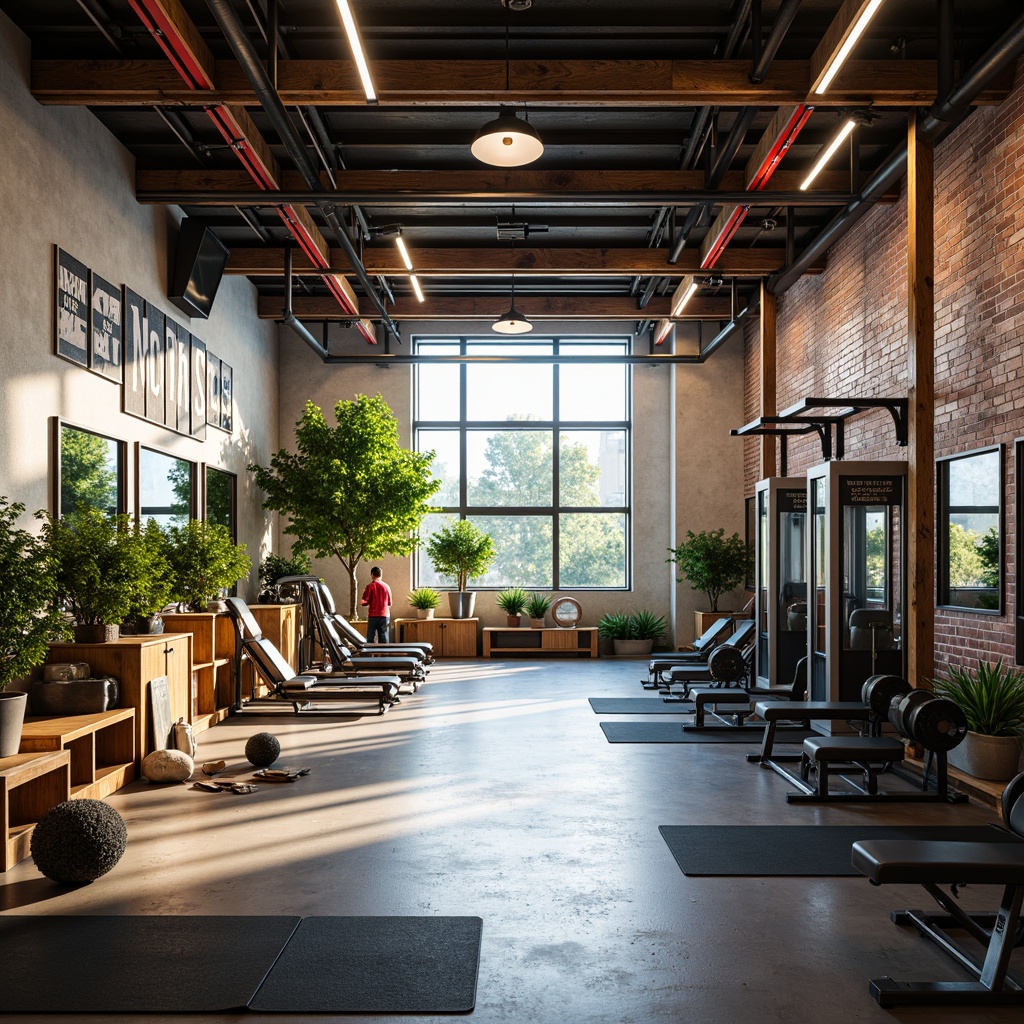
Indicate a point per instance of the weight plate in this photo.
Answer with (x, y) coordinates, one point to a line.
(727, 665)
(878, 691)
(902, 705)
(937, 724)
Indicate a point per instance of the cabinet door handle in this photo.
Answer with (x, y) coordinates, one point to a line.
(169, 650)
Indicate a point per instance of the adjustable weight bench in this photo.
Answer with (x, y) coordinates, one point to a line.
(933, 864)
(701, 648)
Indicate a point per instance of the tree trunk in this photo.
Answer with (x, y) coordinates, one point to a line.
(352, 590)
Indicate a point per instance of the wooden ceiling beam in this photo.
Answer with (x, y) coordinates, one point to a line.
(470, 262)
(487, 308)
(469, 83)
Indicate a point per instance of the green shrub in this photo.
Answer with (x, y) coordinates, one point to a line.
(991, 697)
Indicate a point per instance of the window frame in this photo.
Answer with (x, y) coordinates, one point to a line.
(205, 469)
(59, 424)
(944, 511)
(193, 479)
(463, 426)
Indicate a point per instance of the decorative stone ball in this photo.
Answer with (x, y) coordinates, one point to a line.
(167, 766)
(262, 750)
(78, 841)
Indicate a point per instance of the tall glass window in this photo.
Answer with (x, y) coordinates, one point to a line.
(535, 454)
(166, 488)
(970, 530)
(91, 471)
(220, 499)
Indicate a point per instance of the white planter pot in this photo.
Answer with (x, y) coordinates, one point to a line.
(634, 647)
(12, 714)
(996, 758)
(425, 613)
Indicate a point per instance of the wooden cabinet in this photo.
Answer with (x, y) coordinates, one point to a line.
(581, 641)
(452, 638)
(134, 661)
(213, 650)
(30, 784)
(279, 623)
(102, 748)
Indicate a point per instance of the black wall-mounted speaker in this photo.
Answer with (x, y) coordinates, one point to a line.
(198, 267)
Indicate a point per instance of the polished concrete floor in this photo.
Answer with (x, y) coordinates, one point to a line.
(492, 792)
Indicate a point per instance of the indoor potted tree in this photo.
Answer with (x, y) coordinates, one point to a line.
(152, 588)
(29, 619)
(204, 560)
(512, 602)
(463, 551)
(992, 700)
(537, 606)
(99, 563)
(714, 564)
(425, 600)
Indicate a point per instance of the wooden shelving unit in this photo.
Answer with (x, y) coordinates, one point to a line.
(30, 784)
(213, 649)
(101, 747)
(580, 640)
(134, 661)
(452, 638)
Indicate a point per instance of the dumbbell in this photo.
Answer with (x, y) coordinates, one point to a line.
(879, 691)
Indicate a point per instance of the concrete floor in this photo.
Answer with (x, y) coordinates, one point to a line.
(492, 792)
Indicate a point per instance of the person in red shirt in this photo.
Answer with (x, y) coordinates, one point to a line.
(377, 596)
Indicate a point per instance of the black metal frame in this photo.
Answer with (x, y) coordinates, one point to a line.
(59, 425)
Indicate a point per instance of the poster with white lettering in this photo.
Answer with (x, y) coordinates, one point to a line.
(105, 349)
(198, 404)
(72, 313)
(212, 389)
(227, 406)
(183, 379)
(136, 348)
(155, 367)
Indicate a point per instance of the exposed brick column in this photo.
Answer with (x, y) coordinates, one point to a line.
(769, 399)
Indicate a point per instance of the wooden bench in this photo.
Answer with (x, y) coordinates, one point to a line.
(578, 640)
(30, 784)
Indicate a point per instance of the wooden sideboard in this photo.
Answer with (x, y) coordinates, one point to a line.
(581, 641)
(452, 638)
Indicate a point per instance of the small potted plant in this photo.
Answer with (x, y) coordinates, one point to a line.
(99, 564)
(29, 619)
(425, 600)
(635, 633)
(714, 564)
(276, 567)
(204, 560)
(463, 551)
(512, 602)
(992, 700)
(536, 608)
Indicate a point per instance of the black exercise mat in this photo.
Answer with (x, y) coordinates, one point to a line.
(774, 850)
(672, 732)
(136, 965)
(639, 706)
(376, 965)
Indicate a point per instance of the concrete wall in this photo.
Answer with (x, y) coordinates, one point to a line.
(844, 333)
(65, 181)
(687, 471)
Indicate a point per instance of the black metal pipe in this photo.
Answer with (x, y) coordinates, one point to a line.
(941, 118)
(289, 319)
(783, 20)
(727, 332)
(226, 18)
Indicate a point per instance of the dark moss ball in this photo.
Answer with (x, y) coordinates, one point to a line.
(262, 749)
(78, 841)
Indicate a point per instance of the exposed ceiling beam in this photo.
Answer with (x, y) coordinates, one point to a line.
(487, 308)
(563, 188)
(471, 262)
(472, 83)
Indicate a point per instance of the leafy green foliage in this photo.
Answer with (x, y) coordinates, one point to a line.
(204, 559)
(537, 605)
(100, 563)
(152, 587)
(274, 567)
(424, 597)
(461, 550)
(613, 626)
(512, 601)
(991, 697)
(713, 562)
(28, 621)
(638, 625)
(350, 490)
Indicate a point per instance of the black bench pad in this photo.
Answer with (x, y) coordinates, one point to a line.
(852, 748)
(780, 710)
(908, 861)
(702, 695)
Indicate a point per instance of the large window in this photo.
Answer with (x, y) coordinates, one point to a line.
(166, 488)
(220, 499)
(970, 530)
(91, 471)
(536, 454)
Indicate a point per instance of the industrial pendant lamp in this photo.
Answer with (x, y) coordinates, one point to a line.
(507, 141)
(512, 322)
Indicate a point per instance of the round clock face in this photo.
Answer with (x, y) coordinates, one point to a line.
(566, 611)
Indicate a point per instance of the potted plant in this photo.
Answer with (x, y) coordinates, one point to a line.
(276, 567)
(152, 587)
(512, 602)
(425, 600)
(992, 700)
(634, 633)
(204, 560)
(461, 550)
(99, 563)
(29, 619)
(536, 608)
(714, 564)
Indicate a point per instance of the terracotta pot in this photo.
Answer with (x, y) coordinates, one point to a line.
(512, 621)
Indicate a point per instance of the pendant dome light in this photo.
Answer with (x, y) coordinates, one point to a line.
(512, 322)
(508, 140)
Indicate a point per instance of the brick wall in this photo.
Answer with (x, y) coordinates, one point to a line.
(843, 332)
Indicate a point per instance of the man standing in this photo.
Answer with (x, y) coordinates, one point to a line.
(378, 596)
